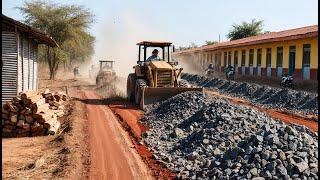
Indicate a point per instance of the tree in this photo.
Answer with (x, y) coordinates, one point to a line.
(245, 29)
(211, 42)
(192, 45)
(68, 25)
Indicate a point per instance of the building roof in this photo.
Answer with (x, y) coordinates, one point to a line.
(154, 43)
(291, 34)
(42, 37)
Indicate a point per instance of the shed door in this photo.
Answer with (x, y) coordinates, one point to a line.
(25, 64)
(9, 65)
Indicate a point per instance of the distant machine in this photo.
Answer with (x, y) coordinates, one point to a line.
(106, 73)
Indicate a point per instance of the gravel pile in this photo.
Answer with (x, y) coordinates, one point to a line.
(209, 138)
(267, 96)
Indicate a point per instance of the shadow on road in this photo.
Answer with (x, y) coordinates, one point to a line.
(123, 102)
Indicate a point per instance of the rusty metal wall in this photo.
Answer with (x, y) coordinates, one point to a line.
(9, 65)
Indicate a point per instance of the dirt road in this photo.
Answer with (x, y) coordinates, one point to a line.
(112, 153)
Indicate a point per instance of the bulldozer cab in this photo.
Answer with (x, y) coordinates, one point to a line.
(157, 73)
(163, 46)
(106, 65)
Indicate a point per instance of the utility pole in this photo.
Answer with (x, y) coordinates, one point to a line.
(219, 37)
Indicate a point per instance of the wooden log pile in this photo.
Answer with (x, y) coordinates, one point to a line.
(32, 114)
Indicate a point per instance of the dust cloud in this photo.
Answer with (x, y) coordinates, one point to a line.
(188, 67)
(116, 40)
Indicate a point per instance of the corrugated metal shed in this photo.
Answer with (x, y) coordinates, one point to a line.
(20, 57)
(9, 65)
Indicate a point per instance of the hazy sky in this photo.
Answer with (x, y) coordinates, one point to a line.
(121, 23)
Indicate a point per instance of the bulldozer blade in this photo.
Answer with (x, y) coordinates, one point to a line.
(151, 95)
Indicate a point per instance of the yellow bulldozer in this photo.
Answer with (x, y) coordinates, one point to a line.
(106, 74)
(155, 80)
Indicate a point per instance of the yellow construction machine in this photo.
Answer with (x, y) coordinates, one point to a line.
(106, 74)
(155, 80)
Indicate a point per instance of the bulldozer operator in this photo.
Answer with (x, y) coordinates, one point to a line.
(154, 56)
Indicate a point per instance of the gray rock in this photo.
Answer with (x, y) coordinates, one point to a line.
(301, 166)
(193, 156)
(217, 151)
(254, 171)
(205, 141)
(177, 132)
(282, 170)
(258, 178)
(282, 155)
(290, 130)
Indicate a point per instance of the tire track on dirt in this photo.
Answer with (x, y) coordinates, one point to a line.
(111, 151)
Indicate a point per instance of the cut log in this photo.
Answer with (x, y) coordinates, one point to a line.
(59, 113)
(10, 107)
(36, 127)
(22, 117)
(14, 119)
(20, 123)
(53, 108)
(46, 91)
(16, 99)
(57, 97)
(64, 97)
(52, 125)
(43, 108)
(23, 130)
(34, 108)
(5, 111)
(6, 130)
(54, 103)
(8, 127)
(54, 128)
(40, 101)
(29, 119)
(28, 94)
(5, 116)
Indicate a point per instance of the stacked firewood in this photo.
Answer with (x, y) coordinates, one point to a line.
(32, 114)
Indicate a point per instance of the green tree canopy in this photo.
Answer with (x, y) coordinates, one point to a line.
(192, 45)
(211, 42)
(68, 25)
(245, 29)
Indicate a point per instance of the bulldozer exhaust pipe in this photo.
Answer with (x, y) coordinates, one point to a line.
(151, 95)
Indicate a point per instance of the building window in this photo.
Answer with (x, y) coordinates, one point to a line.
(306, 55)
(251, 54)
(235, 55)
(225, 59)
(243, 58)
(259, 54)
(268, 57)
(229, 58)
(279, 56)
